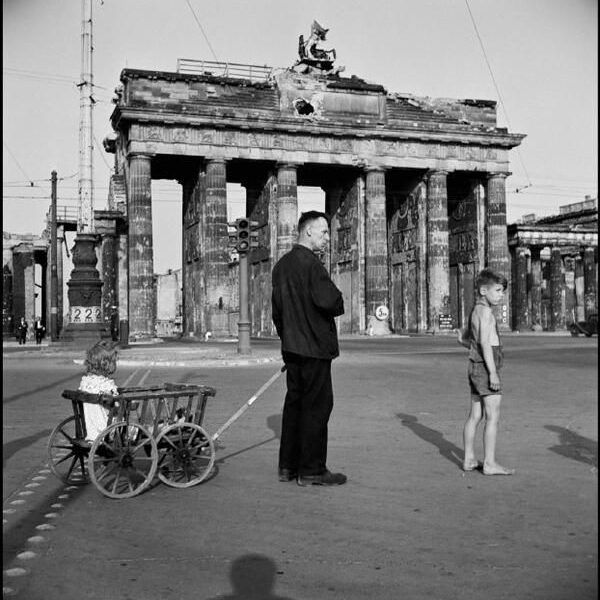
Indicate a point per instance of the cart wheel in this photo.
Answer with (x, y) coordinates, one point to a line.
(187, 455)
(123, 460)
(68, 454)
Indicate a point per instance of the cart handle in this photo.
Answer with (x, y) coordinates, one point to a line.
(248, 404)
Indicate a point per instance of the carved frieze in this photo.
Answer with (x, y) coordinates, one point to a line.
(385, 151)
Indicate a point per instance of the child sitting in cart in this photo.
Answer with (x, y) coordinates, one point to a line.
(100, 363)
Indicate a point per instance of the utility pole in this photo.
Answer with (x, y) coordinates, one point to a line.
(53, 267)
(85, 221)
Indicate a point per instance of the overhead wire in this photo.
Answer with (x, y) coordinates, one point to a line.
(202, 30)
(489, 66)
(17, 162)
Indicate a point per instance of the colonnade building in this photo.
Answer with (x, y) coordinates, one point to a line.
(415, 188)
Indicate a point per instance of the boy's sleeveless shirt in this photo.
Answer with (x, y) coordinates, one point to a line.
(475, 353)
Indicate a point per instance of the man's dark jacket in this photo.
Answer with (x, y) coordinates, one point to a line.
(304, 303)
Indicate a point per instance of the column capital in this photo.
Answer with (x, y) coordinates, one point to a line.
(374, 168)
(142, 155)
(287, 165)
(216, 160)
(436, 172)
(499, 174)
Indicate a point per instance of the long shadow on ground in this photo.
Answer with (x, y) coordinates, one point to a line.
(447, 449)
(574, 446)
(11, 448)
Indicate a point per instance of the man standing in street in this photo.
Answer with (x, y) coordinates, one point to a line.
(305, 302)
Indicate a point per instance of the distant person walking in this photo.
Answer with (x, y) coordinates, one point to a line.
(305, 302)
(39, 331)
(22, 331)
(114, 323)
(482, 339)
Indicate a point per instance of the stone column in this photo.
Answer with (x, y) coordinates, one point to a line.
(216, 254)
(24, 286)
(520, 300)
(109, 274)
(579, 289)
(141, 260)
(557, 314)
(535, 293)
(8, 330)
(287, 208)
(376, 251)
(190, 245)
(421, 195)
(590, 285)
(497, 239)
(438, 257)
(122, 286)
(569, 289)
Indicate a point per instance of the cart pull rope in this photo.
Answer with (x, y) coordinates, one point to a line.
(248, 404)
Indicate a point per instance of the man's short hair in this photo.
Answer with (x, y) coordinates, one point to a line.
(489, 277)
(309, 217)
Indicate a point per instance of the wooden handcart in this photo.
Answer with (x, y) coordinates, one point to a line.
(151, 431)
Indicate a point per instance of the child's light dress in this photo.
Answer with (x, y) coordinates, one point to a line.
(96, 416)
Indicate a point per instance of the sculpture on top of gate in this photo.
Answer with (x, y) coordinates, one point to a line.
(312, 58)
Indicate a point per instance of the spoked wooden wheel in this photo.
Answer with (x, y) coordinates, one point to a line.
(68, 454)
(123, 460)
(187, 455)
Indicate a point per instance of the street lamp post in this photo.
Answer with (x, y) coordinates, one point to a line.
(85, 286)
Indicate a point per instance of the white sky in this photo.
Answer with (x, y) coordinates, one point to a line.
(542, 53)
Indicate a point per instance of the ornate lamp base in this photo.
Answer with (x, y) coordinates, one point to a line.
(86, 325)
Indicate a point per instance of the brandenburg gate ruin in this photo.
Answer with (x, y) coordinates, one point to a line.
(414, 186)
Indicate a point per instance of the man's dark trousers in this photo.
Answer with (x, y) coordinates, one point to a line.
(306, 411)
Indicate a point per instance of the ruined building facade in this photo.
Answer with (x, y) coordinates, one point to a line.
(415, 188)
(555, 267)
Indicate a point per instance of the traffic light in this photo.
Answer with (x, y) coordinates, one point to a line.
(253, 234)
(243, 235)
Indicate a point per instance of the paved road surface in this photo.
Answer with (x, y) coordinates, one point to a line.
(408, 525)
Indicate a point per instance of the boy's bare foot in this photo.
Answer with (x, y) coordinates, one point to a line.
(471, 465)
(497, 470)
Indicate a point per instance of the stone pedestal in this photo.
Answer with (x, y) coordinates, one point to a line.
(86, 325)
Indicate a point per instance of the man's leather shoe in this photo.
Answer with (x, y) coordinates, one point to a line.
(287, 475)
(327, 478)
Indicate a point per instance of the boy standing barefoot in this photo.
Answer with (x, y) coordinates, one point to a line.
(485, 362)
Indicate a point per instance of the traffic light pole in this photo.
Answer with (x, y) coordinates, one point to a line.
(244, 321)
(53, 267)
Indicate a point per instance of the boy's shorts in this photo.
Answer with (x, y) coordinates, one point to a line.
(479, 378)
